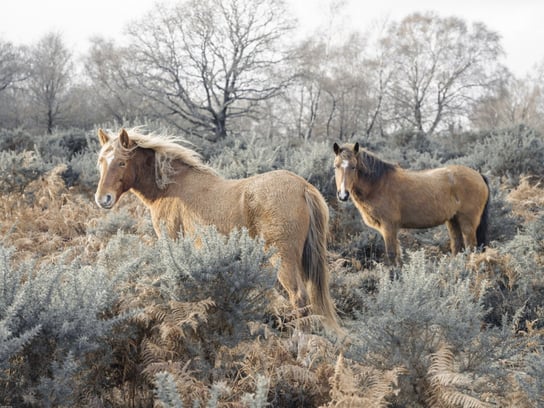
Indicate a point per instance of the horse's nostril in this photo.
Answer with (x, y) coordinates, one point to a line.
(343, 196)
(106, 201)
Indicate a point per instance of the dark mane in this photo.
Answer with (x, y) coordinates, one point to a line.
(371, 167)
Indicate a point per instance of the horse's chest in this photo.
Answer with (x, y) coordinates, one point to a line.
(370, 215)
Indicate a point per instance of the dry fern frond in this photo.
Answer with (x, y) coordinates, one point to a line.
(259, 358)
(173, 367)
(308, 323)
(313, 350)
(343, 381)
(517, 397)
(151, 314)
(492, 265)
(191, 314)
(153, 353)
(190, 389)
(297, 377)
(359, 386)
(443, 381)
(137, 295)
(451, 398)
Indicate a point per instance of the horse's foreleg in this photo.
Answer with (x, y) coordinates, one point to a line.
(392, 246)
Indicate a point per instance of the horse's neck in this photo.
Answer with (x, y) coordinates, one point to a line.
(365, 188)
(188, 185)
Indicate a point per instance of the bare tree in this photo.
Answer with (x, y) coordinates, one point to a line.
(302, 102)
(12, 65)
(106, 65)
(515, 102)
(49, 82)
(203, 62)
(440, 66)
(339, 89)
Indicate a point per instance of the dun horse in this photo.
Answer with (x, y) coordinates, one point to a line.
(181, 192)
(389, 198)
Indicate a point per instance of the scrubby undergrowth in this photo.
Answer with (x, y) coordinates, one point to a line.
(96, 311)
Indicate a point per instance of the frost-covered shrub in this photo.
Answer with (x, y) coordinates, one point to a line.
(16, 140)
(508, 153)
(83, 170)
(244, 157)
(516, 290)
(53, 322)
(193, 299)
(18, 169)
(503, 224)
(234, 272)
(313, 162)
(435, 306)
(407, 319)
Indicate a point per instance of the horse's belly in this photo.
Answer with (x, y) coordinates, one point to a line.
(420, 224)
(426, 218)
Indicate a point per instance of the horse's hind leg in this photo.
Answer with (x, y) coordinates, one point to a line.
(456, 236)
(468, 227)
(290, 277)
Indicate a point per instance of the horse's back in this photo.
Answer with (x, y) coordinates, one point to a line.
(431, 197)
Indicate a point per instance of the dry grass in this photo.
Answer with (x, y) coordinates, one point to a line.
(48, 218)
(527, 198)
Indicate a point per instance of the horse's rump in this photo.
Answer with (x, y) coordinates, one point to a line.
(292, 215)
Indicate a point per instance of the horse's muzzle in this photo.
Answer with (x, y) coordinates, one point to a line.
(106, 201)
(342, 195)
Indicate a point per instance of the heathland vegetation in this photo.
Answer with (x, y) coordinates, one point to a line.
(96, 311)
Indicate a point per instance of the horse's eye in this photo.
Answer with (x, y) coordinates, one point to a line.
(122, 164)
(352, 167)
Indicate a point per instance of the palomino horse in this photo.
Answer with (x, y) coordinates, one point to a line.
(181, 193)
(389, 198)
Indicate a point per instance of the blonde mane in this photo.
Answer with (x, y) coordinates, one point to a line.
(167, 149)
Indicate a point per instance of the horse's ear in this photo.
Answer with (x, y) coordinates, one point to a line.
(103, 137)
(124, 139)
(356, 148)
(336, 148)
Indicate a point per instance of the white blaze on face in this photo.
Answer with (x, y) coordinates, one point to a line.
(109, 157)
(105, 200)
(344, 165)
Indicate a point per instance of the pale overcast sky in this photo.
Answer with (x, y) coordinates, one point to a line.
(519, 22)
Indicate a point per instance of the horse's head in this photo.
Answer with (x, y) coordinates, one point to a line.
(117, 171)
(345, 169)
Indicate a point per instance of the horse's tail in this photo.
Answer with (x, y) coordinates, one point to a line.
(482, 237)
(314, 258)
